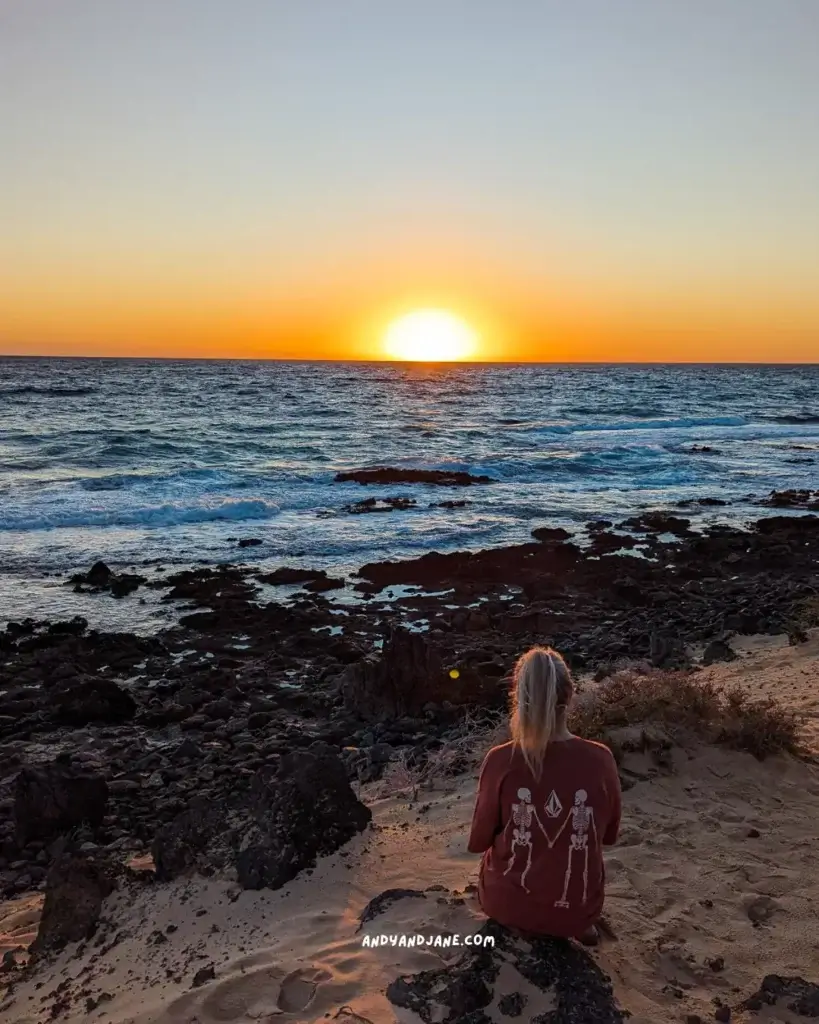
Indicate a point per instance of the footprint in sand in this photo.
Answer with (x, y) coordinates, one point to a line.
(298, 989)
(261, 994)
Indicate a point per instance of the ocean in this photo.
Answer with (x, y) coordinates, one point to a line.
(169, 463)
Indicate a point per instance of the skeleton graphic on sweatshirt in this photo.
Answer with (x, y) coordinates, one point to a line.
(525, 816)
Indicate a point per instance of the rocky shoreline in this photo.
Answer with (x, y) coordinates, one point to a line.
(237, 685)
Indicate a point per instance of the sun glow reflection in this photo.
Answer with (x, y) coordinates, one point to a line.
(430, 336)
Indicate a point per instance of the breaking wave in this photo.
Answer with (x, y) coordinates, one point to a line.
(149, 517)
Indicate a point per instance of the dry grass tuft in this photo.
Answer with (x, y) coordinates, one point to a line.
(462, 751)
(681, 704)
(678, 703)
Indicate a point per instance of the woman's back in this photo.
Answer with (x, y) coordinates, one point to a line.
(542, 869)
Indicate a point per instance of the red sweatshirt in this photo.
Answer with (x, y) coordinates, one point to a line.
(542, 840)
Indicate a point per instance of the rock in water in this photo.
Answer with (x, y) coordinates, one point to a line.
(98, 575)
(392, 475)
(87, 699)
(551, 534)
(305, 810)
(54, 798)
(76, 886)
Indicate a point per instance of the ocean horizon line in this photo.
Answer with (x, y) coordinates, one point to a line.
(399, 362)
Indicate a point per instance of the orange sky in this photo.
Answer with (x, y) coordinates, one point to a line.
(273, 180)
(340, 312)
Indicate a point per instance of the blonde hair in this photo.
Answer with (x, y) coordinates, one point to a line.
(542, 683)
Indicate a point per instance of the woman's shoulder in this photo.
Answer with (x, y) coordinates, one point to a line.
(500, 756)
(594, 750)
(501, 750)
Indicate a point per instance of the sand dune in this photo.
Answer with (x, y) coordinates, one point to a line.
(715, 883)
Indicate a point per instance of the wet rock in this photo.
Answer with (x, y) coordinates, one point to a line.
(249, 542)
(387, 475)
(76, 887)
(289, 576)
(793, 499)
(289, 817)
(100, 578)
(481, 569)
(124, 584)
(51, 799)
(97, 576)
(551, 534)
(83, 699)
(73, 627)
(215, 587)
(323, 583)
(659, 522)
(604, 542)
(380, 505)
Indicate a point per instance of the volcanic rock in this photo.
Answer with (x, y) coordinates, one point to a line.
(550, 534)
(793, 499)
(53, 798)
(718, 650)
(514, 563)
(802, 996)
(76, 887)
(304, 810)
(380, 505)
(212, 586)
(658, 522)
(512, 1004)
(83, 699)
(378, 904)
(389, 475)
(408, 675)
(322, 583)
(287, 575)
(459, 991)
(99, 577)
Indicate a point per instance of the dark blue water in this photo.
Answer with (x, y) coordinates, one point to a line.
(134, 460)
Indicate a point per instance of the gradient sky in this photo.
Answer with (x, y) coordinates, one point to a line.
(594, 179)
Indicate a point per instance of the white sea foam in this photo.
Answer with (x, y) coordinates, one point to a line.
(150, 516)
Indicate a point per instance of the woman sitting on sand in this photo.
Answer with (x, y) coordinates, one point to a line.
(547, 803)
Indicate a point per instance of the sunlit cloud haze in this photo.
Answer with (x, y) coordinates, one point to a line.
(588, 180)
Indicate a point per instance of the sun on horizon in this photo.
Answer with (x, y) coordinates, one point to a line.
(430, 336)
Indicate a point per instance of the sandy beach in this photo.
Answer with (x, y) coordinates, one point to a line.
(713, 885)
